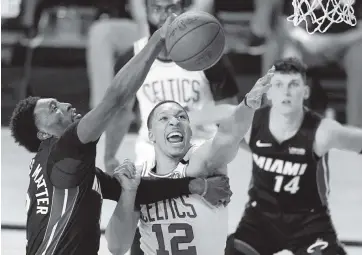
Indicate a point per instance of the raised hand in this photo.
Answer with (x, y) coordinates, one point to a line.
(254, 97)
(164, 29)
(127, 175)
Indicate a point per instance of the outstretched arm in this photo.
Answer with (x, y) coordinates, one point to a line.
(123, 88)
(222, 149)
(332, 135)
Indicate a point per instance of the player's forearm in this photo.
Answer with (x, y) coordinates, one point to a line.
(122, 225)
(121, 92)
(211, 114)
(202, 5)
(138, 10)
(130, 78)
(239, 122)
(139, 15)
(153, 190)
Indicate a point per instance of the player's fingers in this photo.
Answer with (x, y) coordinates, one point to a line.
(130, 166)
(265, 88)
(271, 70)
(124, 169)
(127, 173)
(226, 201)
(137, 175)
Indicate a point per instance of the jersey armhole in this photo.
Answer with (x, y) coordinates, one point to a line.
(204, 78)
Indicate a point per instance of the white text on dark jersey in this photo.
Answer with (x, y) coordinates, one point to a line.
(279, 166)
(42, 195)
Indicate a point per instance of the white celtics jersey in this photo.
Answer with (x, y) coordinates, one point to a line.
(184, 225)
(168, 81)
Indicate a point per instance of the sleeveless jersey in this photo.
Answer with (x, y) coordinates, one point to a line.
(288, 176)
(168, 81)
(64, 218)
(184, 225)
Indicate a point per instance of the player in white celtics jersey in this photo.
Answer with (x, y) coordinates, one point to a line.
(186, 225)
(196, 91)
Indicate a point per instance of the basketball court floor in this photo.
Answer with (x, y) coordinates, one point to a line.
(345, 196)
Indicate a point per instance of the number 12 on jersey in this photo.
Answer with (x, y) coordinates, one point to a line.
(176, 240)
(292, 186)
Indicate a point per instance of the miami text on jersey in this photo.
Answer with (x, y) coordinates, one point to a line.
(279, 166)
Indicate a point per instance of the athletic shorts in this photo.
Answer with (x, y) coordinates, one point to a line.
(307, 232)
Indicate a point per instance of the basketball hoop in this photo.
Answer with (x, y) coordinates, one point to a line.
(335, 11)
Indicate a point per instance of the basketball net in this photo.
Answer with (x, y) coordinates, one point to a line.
(335, 11)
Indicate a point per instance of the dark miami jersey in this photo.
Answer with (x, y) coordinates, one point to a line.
(287, 175)
(64, 197)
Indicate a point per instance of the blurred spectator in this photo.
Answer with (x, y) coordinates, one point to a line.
(261, 25)
(109, 38)
(341, 44)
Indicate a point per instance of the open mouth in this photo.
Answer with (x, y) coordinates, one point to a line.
(74, 115)
(175, 137)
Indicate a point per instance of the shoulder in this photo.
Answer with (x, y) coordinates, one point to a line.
(313, 119)
(69, 145)
(325, 133)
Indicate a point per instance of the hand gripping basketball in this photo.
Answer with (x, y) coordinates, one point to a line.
(165, 27)
(254, 97)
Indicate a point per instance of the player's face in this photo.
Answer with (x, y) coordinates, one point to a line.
(159, 10)
(53, 117)
(288, 92)
(170, 130)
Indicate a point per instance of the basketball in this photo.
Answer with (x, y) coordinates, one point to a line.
(195, 40)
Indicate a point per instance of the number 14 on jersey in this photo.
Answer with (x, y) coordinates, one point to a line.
(292, 186)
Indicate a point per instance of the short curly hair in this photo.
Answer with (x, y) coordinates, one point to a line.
(291, 65)
(22, 124)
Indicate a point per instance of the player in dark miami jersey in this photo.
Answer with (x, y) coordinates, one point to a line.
(65, 193)
(287, 206)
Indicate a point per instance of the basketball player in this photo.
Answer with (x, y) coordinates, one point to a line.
(341, 44)
(288, 206)
(65, 193)
(185, 225)
(166, 81)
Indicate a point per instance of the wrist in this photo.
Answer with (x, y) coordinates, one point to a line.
(129, 191)
(157, 38)
(246, 101)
